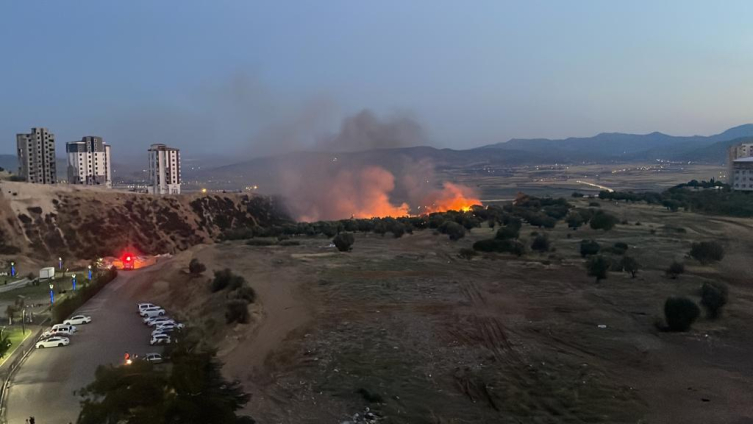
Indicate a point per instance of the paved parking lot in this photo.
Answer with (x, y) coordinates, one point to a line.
(44, 385)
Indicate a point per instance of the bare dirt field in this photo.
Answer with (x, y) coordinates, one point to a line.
(419, 335)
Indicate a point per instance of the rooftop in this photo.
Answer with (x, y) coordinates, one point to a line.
(742, 160)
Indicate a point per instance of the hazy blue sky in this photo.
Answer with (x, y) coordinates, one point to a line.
(251, 76)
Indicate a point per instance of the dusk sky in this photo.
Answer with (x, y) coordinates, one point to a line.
(246, 77)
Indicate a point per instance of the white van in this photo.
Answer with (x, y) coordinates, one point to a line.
(64, 327)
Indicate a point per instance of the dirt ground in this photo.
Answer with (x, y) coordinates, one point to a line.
(410, 330)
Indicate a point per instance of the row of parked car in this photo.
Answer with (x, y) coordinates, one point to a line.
(59, 335)
(164, 326)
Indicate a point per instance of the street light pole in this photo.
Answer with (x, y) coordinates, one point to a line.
(23, 321)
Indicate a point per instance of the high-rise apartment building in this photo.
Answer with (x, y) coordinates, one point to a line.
(36, 156)
(89, 162)
(738, 151)
(741, 177)
(164, 170)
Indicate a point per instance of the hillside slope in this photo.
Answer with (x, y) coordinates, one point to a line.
(43, 221)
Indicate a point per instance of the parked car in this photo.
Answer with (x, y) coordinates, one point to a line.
(171, 325)
(160, 338)
(154, 358)
(78, 320)
(53, 342)
(143, 306)
(65, 327)
(152, 321)
(152, 312)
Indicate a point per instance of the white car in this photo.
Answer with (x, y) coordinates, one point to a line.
(143, 306)
(78, 320)
(160, 339)
(170, 325)
(152, 312)
(152, 321)
(154, 358)
(65, 327)
(53, 342)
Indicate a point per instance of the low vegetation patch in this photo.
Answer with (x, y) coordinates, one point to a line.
(680, 313)
(713, 298)
(707, 252)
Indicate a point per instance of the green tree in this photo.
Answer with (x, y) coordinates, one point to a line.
(603, 221)
(192, 391)
(680, 313)
(713, 298)
(630, 265)
(589, 247)
(598, 267)
(454, 230)
(541, 243)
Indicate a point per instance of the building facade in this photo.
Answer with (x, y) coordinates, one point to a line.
(744, 150)
(741, 177)
(164, 170)
(89, 162)
(36, 156)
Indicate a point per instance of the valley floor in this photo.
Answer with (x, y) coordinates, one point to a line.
(419, 335)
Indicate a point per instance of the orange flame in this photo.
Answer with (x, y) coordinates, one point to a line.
(452, 197)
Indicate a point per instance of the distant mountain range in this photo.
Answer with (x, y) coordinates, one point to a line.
(632, 147)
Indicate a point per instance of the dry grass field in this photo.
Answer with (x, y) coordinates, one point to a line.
(419, 335)
(494, 184)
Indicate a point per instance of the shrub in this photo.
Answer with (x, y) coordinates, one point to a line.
(630, 265)
(195, 267)
(226, 279)
(589, 247)
(541, 243)
(289, 243)
(574, 220)
(675, 270)
(603, 221)
(621, 246)
(466, 253)
(508, 233)
(237, 311)
(594, 204)
(713, 298)
(707, 252)
(397, 230)
(500, 246)
(598, 267)
(680, 313)
(454, 230)
(246, 293)
(577, 194)
(344, 241)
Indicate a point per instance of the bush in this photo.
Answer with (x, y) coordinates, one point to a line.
(344, 241)
(713, 298)
(603, 221)
(246, 293)
(589, 247)
(454, 230)
(466, 253)
(675, 270)
(237, 311)
(226, 279)
(680, 313)
(577, 194)
(594, 204)
(541, 243)
(500, 246)
(195, 267)
(508, 233)
(289, 243)
(598, 266)
(621, 247)
(707, 252)
(397, 230)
